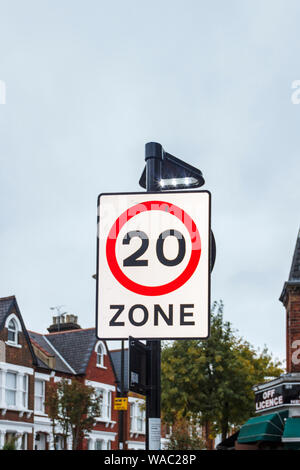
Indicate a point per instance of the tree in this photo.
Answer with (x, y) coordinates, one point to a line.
(185, 436)
(213, 379)
(52, 403)
(73, 406)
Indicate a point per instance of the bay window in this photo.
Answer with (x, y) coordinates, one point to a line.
(14, 387)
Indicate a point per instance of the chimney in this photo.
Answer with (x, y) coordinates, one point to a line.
(64, 323)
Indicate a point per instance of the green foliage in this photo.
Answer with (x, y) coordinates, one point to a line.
(74, 406)
(11, 444)
(213, 379)
(185, 436)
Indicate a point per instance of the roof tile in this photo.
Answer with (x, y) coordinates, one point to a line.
(75, 346)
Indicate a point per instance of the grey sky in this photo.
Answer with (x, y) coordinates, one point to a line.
(88, 83)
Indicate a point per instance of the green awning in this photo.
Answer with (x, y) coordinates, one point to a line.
(263, 428)
(291, 433)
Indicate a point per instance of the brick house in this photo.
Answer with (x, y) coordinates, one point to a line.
(30, 361)
(18, 363)
(290, 297)
(277, 421)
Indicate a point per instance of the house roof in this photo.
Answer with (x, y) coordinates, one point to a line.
(72, 348)
(6, 307)
(75, 346)
(116, 360)
(294, 276)
(295, 268)
(41, 342)
(6, 304)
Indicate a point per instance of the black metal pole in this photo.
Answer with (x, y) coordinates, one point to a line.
(153, 157)
(121, 412)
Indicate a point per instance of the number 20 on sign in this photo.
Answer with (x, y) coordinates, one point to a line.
(153, 276)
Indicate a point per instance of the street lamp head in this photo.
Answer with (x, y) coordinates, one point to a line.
(174, 173)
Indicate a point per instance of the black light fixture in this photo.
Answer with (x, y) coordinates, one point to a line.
(170, 172)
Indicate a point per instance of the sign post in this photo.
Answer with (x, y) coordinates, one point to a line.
(137, 366)
(153, 177)
(153, 266)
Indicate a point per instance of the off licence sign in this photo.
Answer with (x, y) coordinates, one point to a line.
(153, 277)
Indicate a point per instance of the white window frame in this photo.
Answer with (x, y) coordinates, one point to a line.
(12, 328)
(137, 423)
(13, 390)
(24, 391)
(140, 420)
(59, 444)
(39, 397)
(24, 441)
(17, 328)
(106, 437)
(102, 444)
(100, 354)
(21, 391)
(106, 405)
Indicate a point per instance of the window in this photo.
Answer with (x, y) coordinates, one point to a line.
(24, 391)
(11, 438)
(137, 418)
(11, 389)
(100, 395)
(108, 404)
(40, 441)
(100, 355)
(132, 415)
(13, 326)
(12, 336)
(24, 441)
(105, 397)
(59, 442)
(39, 395)
(99, 444)
(140, 421)
(14, 389)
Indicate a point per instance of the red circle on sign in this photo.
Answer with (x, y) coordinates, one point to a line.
(170, 286)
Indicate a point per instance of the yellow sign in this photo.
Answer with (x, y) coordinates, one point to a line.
(121, 403)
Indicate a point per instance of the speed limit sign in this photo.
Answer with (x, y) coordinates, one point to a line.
(153, 265)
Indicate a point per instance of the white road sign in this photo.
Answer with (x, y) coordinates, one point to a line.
(153, 265)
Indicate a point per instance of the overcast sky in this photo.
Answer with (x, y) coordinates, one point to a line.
(88, 83)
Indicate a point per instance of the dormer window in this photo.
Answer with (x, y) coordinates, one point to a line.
(13, 326)
(12, 332)
(100, 351)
